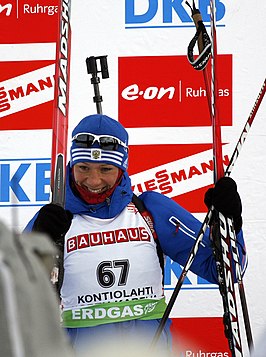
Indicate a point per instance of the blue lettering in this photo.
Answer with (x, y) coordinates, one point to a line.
(42, 181)
(13, 183)
(169, 5)
(132, 18)
(171, 266)
(168, 8)
(204, 6)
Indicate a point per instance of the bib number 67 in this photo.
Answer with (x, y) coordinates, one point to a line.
(106, 276)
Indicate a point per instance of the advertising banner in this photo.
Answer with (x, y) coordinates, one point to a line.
(162, 102)
(165, 91)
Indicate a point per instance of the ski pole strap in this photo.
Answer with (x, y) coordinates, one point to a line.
(204, 48)
(201, 61)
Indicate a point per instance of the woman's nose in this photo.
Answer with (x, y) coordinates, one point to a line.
(93, 178)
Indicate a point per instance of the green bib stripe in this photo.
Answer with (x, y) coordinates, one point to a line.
(146, 309)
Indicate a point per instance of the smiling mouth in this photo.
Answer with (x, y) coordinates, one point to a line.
(99, 190)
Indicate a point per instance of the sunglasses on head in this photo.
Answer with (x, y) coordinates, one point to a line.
(107, 142)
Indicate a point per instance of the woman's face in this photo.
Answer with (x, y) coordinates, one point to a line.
(96, 178)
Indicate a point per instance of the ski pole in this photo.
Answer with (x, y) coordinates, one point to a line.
(92, 69)
(227, 173)
(246, 129)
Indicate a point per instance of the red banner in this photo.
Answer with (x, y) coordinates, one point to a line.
(30, 21)
(156, 91)
(199, 336)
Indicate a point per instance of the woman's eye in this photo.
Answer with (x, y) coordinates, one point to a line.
(83, 168)
(106, 169)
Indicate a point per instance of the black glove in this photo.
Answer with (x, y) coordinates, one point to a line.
(53, 220)
(225, 199)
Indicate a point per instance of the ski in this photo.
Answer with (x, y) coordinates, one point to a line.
(60, 121)
(208, 217)
(222, 233)
(219, 168)
(61, 104)
(206, 223)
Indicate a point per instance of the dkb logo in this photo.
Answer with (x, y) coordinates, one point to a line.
(172, 272)
(167, 13)
(24, 182)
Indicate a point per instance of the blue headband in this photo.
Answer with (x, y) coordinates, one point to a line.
(99, 124)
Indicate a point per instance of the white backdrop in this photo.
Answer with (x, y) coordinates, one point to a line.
(99, 28)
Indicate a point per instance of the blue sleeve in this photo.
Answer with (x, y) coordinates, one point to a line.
(29, 226)
(177, 230)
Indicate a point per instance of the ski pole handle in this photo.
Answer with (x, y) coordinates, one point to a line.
(92, 69)
(204, 47)
(196, 16)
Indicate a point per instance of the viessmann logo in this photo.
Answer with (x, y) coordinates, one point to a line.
(179, 176)
(165, 13)
(27, 9)
(27, 90)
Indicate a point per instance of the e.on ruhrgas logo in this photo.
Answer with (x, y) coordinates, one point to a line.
(26, 95)
(166, 91)
(28, 21)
